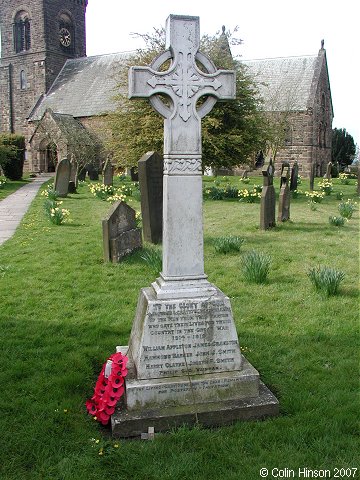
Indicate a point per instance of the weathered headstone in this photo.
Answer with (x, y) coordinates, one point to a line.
(108, 172)
(284, 196)
(312, 176)
(328, 171)
(120, 234)
(73, 182)
(184, 355)
(267, 202)
(151, 188)
(62, 177)
(294, 176)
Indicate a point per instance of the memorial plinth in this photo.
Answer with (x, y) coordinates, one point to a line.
(184, 354)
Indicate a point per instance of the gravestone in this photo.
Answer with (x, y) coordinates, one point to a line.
(120, 234)
(185, 363)
(150, 168)
(267, 202)
(294, 176)
(108, 172)
(328, 171)
(62, 177)
(284, 197)
(73, 182)
(312, 176)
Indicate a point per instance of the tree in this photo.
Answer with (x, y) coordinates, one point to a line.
(231, 133)
(343, 147)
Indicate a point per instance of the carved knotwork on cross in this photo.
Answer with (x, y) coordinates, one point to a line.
(183, 83)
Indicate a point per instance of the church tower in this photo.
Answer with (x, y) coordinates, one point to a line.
(37, 37)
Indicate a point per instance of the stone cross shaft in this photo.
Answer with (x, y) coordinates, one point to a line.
(183, 84)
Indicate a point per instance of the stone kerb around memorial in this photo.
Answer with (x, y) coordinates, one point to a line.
(185, 363)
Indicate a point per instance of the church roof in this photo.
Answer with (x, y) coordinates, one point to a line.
(285, 84)
(84, 87)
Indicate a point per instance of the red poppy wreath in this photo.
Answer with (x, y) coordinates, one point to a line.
(109, 388)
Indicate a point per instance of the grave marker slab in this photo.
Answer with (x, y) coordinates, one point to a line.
(284, 196)
(151, 188)
(328, 171)
(62, 177)
(184, 354)
(120, 234)
(73, 182)
(294, 176)
(108, 172)
(267, 202)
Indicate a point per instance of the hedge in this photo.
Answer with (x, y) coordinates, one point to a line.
(12, 155)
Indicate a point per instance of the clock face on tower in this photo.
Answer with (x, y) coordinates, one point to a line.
(65, 37)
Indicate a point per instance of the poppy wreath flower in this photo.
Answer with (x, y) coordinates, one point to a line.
(109, 388)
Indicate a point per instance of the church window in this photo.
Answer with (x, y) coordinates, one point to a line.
(23, 80)
(21, 30)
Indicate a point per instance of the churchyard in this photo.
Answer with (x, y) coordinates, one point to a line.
(63, 311)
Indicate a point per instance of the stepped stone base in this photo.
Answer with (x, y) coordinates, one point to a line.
(185, 366)
(132, 423)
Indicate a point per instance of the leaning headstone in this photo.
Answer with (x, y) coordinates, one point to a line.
(62, 177)
(185, 363)
(73, 175)
(120, 233)
(108, 172)
(328, 171)
(284, 197)
(151, 188)
(294, 177)
(267, 202)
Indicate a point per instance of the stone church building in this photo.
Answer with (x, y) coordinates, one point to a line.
(58, 98)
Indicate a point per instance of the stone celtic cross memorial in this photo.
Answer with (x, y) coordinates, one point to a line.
(185, 363)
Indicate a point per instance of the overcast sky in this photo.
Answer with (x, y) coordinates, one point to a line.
(273, 28)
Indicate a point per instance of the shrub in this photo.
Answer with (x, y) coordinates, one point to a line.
(326, 280)
(228, 244)
(346, 209)
(153, 258)
(256, 266)
(337, 221)
(12, 155)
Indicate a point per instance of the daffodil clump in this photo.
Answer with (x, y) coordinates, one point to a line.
(249, 196)
(344, 178)
(101, 191)
(346, 209)
(50, 193)
(326, 186)
(296, 193)
(55, 213)
(315, 197)
(2, 182)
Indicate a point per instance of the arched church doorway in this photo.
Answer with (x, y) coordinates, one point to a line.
(48, 157)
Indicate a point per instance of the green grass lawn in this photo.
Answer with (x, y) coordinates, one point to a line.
(63, 311)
